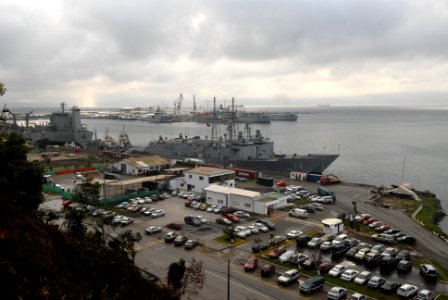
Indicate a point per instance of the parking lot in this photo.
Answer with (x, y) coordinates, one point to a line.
(175, 211)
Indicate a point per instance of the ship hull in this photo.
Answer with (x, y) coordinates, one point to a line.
(59, 137)
(311, 163)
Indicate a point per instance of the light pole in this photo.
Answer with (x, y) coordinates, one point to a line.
(228, 279)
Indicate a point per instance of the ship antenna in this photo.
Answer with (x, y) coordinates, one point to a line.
(233, 134)
(63, 107)
(214, 120)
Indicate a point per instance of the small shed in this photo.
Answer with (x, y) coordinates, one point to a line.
(333, 225)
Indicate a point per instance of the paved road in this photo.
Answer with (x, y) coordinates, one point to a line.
(157, 255)
(428, 244)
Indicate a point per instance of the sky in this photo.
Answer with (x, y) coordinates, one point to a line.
(264, 53)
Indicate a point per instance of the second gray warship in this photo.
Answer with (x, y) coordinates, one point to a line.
(240, 149)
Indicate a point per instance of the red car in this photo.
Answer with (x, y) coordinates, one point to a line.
(251, 264)
(277, 252)
(369, 220)
(67, 203)
(382, 228)
(188, 203)
(232, 218)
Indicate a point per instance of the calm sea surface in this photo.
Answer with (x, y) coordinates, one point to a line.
(376, 145)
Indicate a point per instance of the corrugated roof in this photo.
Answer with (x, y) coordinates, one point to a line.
(209, 171)
(147, 161)
(231, 190)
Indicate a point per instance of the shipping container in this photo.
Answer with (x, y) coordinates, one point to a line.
(313, 177)
(265, 181)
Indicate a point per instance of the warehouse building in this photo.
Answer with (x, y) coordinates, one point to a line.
(240, 199)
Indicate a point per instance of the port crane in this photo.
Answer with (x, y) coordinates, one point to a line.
(178, 105)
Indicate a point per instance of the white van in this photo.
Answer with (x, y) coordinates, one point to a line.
(407, 290)
(327, 199)
(297, 212)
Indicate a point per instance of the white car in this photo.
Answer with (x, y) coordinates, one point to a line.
(253, 229)
(407, 290)
(339, 239)
(261, 227)
(148, 200)
(202, 219)
(349, 274)
(210, 209)
(153, 229)
(286, 256)
(337, 270)
(244, 230)
(241, 214)
(336, 293)
(158, 213)
(363, 277)
(293, 234)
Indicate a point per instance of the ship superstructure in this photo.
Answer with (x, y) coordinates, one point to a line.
(64, 127)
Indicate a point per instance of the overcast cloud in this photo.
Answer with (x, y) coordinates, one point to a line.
(143, 53)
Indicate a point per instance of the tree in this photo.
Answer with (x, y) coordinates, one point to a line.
(20, 180)
(87, 192)
(230, 231)
(125, 242)
(2, 89)
(194, 279)
(184, 280)
(176, 272)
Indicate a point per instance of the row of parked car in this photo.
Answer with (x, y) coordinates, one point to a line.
(390, 258)
(386, 234)
(380, 283)
(137, 206)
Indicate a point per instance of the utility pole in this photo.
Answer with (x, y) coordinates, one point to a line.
(228, 279)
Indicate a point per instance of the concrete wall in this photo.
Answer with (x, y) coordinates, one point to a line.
(213, 198)
(178, 184)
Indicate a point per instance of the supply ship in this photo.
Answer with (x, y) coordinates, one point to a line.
(241, 149)
(64, 127)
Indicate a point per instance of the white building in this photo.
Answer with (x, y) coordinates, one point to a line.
(197, 179)
(333, 226)
(241, 199)
(141, 165)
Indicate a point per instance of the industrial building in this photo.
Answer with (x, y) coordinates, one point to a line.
(197, 179)
(241, 199)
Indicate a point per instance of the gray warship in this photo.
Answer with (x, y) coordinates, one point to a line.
(241, 149)
(64, 127)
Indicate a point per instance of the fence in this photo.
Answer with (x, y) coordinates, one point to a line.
(57, 190)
